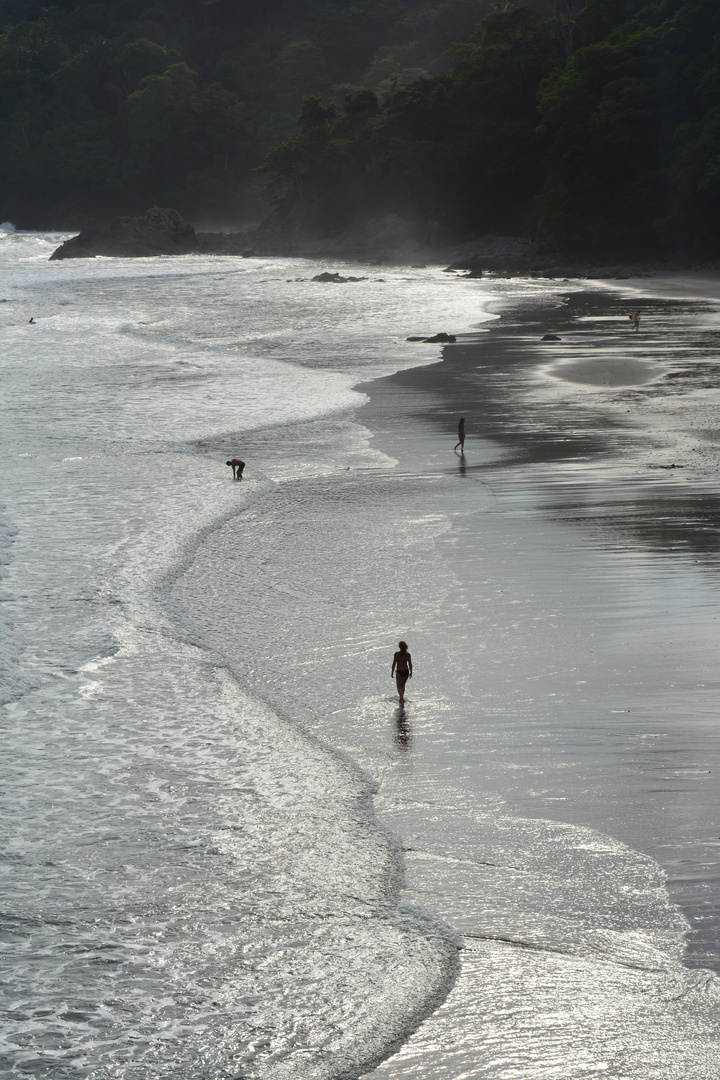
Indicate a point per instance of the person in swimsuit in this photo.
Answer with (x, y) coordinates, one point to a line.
(237, 467)
(635, 319)
(461, 436)
(401, 669)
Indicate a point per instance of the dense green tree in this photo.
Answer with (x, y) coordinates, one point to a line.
(460, 150)
(95, 111)
(633, 127)
(599, 121)
(603, 124)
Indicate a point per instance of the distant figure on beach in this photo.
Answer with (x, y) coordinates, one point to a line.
(237, 467)
(461, 436)
(635, 320)
(401, 669)
(31, 321)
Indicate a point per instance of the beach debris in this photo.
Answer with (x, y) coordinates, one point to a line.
(336, 277)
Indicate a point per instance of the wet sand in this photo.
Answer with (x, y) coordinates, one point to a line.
(614, 435)
(559, 586)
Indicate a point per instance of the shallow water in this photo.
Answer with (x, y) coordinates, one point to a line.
(193, 884)
(564, 645)
(200, 881)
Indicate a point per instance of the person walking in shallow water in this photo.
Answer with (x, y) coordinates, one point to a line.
(401, 669)
(635, 320)
(461, 436)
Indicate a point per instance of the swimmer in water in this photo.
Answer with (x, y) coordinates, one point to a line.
(401, 669)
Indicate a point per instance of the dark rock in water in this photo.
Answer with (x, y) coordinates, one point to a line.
(550, 337)
(445, 338)
(336, 277)
(474, 268)
(158, 232)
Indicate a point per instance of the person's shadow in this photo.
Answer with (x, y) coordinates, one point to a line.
(403, 732)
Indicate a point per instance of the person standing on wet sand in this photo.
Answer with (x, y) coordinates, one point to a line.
(461, 436)
(401, 669)
(635, 320)
(237, 467)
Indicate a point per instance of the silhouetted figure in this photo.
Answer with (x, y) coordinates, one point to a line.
(635, 320)
(237, 467)
(401, 669)
(32, 322)
(461, 436)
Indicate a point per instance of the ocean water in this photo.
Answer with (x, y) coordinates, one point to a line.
(227, 854)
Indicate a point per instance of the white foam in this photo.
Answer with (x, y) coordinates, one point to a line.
(151, 795)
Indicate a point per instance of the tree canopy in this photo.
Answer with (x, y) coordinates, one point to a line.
(128, 103)
(611, 144)
(597, 122)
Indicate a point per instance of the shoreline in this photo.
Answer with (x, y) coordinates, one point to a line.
(489, 547)
(577, 466)
(376, 242)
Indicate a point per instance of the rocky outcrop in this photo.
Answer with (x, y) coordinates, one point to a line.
(327, 276)
(158, 232)
(441, 338)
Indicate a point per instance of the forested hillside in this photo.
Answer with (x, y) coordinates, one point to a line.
(126, 103)
(609, 142)
(597, 124)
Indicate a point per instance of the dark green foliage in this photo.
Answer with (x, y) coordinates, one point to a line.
(613, 149)
(117, 105)
(633, 128)
(598, 121)
(459, 150)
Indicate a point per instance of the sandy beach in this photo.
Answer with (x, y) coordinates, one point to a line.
(614, 434)
(559, 586)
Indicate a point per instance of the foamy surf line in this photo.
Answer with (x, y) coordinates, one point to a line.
(161, 798)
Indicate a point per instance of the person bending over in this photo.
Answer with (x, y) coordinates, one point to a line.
(237, 467)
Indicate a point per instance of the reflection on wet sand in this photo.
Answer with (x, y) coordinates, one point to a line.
(631, 467)
(403, 731)
(563, 692)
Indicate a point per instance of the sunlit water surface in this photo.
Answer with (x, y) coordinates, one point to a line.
(200, 882)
